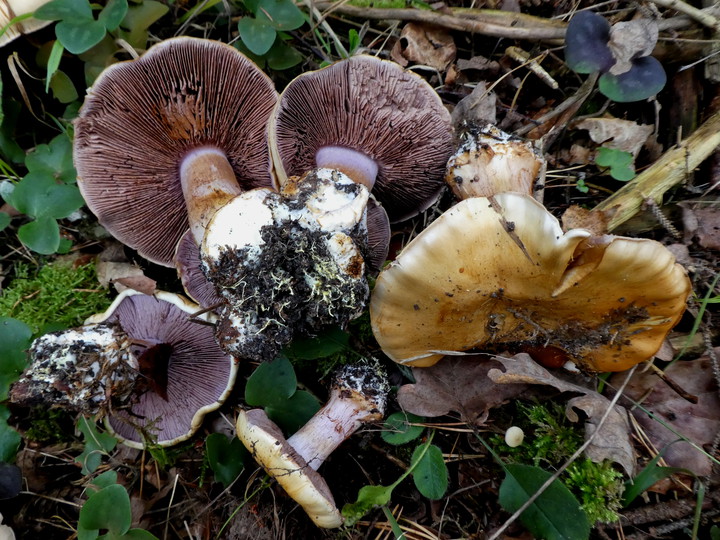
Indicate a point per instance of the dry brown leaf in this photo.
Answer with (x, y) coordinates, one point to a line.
(617, 134)
(457, 384)
(476, 109)
(424, 44)
(577, 217)
(631, 39)
(613, 440)
(124, 276)
(699, 422)
(702, 223)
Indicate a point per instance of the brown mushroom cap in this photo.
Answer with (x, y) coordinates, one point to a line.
(501, 271)
(142, 117)
(270, 449)
(376, 108)
(200, 375)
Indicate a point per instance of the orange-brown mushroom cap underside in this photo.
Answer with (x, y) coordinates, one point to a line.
(491, 273)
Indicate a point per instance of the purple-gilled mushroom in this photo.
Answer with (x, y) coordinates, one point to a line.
(162, 141)
(287, 263)
(384, 127)
(144, 364)
(357, 397)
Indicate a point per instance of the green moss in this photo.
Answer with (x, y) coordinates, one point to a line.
(49, 426)
(550, 439)
(58, 295)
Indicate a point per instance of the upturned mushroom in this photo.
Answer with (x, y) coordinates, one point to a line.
(497, 272)
(163, 141)
(384, 127)
(357, 397)
(490, 161)
(143, 364)
(10, 9)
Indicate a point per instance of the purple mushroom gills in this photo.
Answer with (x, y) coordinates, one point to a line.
(287, 262)
(357, 397)
(145, 365)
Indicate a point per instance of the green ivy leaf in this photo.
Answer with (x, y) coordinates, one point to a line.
(63, 88)
(282, 56)
(96, 445)
(368, 498)
(257, 34)
(330, 342)
(57, 10)
(14, 340)
(430, 473)
(54, 159)
(113, 14)
(619, 162)
(109, 509)
(40, 195)
(79, 35)
(4, 220)
(103, 480)
(42, 235)
(226, 457)
(555, 514)
(397, 429)
(293, 413)
(283, 15)
(271, 383)
(9, 438)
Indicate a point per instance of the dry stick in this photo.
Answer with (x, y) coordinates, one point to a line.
(668, 171)
(701, 16)
(570, 460)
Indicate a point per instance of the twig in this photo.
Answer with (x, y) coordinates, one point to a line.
(701, 16)
(570, 460)
(668, 171)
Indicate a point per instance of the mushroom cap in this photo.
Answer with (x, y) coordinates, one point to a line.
(374, 107)
(272, 452)
(501, 271)
(141, 117)
(490, 161)
(200, 375)
(9, 9)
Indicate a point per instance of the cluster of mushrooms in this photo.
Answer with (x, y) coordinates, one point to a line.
(274, 209)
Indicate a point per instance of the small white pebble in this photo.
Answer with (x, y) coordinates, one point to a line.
(571, 367)
(514, 436)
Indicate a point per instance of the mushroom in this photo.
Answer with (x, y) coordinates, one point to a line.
(287, 262)
(161, 142)
(9, 9)
(489, 161)
(144, 364)
(357, 397)
(499, 271)
(384, 127)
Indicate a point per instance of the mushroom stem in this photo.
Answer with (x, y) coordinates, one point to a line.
(357, 165)
(357, 397)
(208, 183)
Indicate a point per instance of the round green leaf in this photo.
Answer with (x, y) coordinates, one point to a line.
(63, 88)
(54, 159)
(9, 438)
(113, 14)
(14, 340)
(58, 10)
(271, 383)
(645, 79)
(430, 473)
(41, 235)
(78, 36)
(4, 220)
(226, 457)
(294, 412)
(397, 429)
(108, 509)
(258, 35)
(555, 514)
(283, 15)
(39, 195)
(282, 56)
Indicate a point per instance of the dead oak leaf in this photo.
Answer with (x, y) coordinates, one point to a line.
(611, 442)
(457, 384)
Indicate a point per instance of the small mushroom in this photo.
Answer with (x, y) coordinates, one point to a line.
(357, 397)
(143, 364)
(490, 161)
(161, 142)
(9, 9)
(497, 272)
(384, 127)
(287, 263)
